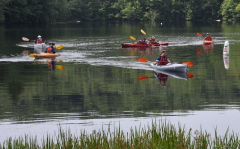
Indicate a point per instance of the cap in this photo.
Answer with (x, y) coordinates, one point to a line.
(39, 36)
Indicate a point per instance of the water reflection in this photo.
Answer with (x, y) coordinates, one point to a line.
(226, 61)
(208, 48)
(51, 63)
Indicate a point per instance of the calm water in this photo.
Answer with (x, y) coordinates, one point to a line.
(99, 83)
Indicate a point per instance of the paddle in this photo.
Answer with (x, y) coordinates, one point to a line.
(141, 77)
(199, 34)
(144, 60)
(133, 38)
(25, 39)
(144, 32)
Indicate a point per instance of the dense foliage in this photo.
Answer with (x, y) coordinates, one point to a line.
(33, 11)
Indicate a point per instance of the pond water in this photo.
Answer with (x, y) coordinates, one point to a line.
(95, 82)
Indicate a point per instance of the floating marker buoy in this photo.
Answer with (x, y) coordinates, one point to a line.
(226, 55)
(226, 48)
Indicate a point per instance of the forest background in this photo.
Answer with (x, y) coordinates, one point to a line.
(38, 11)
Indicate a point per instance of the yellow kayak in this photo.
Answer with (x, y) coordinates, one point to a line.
(45, 55)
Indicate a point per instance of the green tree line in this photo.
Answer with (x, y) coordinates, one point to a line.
(36, 11)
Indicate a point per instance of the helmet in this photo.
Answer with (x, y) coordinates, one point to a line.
(51, 43)
(39, 36)
(153, 37)
(207, 34)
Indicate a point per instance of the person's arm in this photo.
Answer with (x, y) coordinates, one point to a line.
(210, 38)
(157, 60)
(53, 50)
(45, 51)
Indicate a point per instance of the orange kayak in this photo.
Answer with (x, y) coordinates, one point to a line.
(208, 42)
(45, 55)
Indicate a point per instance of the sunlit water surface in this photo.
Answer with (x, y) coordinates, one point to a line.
(95, 82)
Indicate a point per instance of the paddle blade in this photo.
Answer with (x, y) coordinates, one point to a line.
(142, 60)
(189, 64)
(142, 77)
(31, 55)
(199, 34)
(143, 32)
(132, 38)
(59, 47)
(59, 67)
(189, 75)
(25, 39)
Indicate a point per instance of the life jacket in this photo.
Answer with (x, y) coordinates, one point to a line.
(151, 41)
(49, 50)
(39, 41)
(163, 60)
(208, 38)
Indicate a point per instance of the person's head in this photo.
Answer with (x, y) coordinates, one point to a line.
(153, 37)
(144, 39)
(163, 53)
(51, 44)
(39, 37)
(207, 34)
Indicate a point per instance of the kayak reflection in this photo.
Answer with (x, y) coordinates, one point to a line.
(52, 64)
(208, 48)
(226, 61)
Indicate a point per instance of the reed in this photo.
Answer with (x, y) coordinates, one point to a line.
(158, 135)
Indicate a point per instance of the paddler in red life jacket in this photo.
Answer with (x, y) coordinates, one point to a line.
(162, 59)
(50, 49)
(39, 40)
(153, 41)
(207, 38)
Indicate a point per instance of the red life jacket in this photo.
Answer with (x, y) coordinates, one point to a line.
(49, 50)
(39, 41)
(163, 60)
(209, 38)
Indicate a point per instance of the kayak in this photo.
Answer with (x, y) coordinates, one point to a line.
(170, 67)
(207, 42)
(46, 55)
(142, 45)
(39, 47)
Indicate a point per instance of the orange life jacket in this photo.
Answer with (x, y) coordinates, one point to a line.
(49, 50)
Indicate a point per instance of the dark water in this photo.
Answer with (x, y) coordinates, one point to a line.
(99, 80)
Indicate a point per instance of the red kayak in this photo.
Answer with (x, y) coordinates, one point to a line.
(207, 42)
(142, 45)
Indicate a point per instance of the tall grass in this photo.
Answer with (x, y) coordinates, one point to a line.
(158, 135)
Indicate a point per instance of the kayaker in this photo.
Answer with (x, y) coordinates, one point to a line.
(207, 38)
(39, 40)
(162, 59)
(153, 41)
(142, 41)
(50, 49)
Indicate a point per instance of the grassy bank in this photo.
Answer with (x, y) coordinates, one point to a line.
(158, 135)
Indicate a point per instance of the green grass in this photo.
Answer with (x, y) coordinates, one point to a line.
(161, 135)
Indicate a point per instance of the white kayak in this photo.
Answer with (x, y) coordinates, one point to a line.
(38, 48)
(170, 67)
